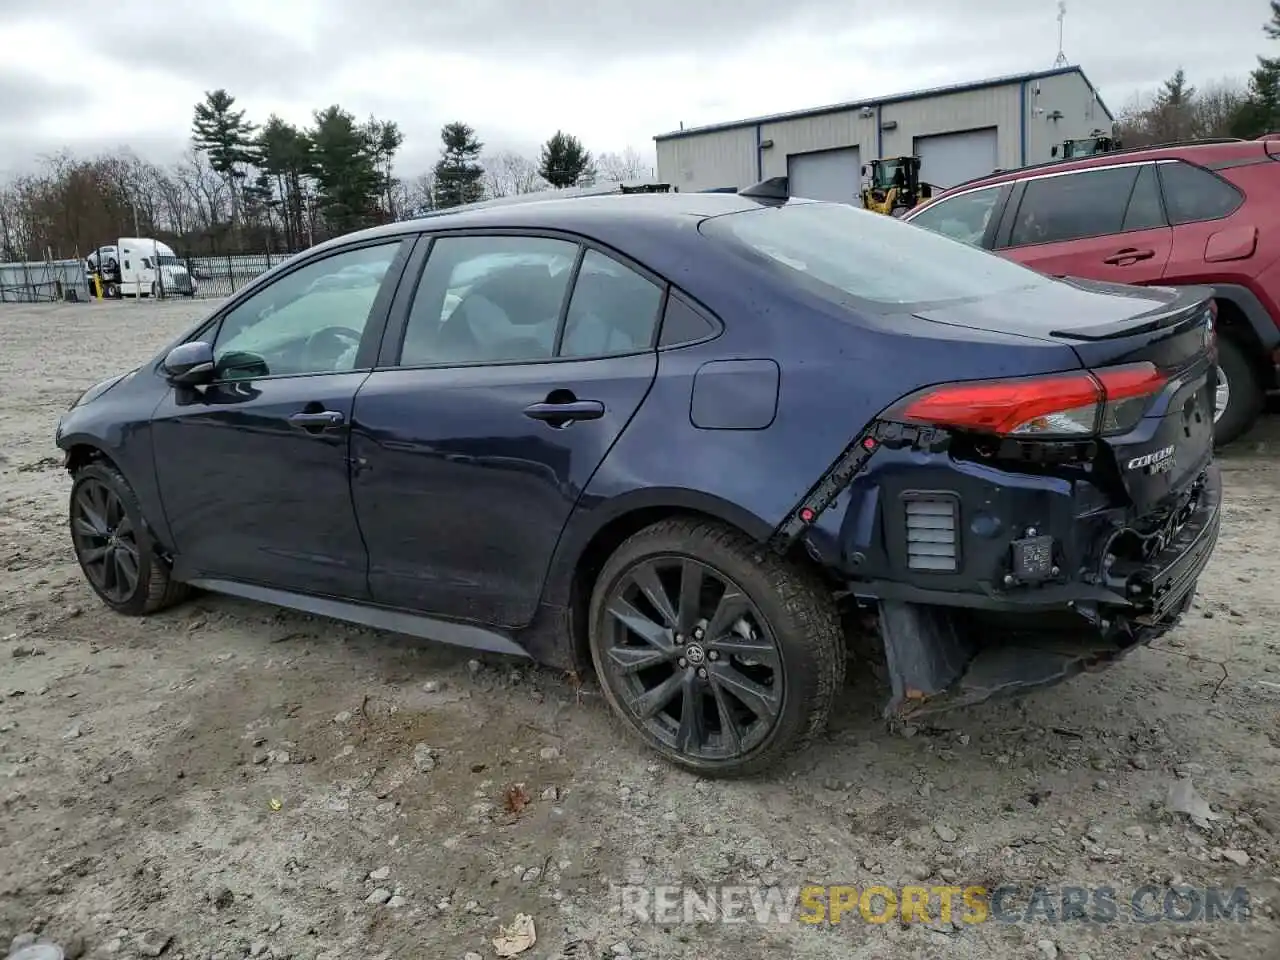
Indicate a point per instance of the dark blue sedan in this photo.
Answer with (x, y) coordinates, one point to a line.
(697, 442)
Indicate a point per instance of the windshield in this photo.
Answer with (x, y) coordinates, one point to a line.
(842, 252)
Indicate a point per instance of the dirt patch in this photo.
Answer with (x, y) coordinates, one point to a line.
(230, 780)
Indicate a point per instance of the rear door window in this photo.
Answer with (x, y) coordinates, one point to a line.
(964, 217)
(1071, 206)
(1145, 210)
(1192, 193)
(612, 310)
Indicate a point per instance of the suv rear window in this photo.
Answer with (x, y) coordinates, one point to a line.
(843, 253)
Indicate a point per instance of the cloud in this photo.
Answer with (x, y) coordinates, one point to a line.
(614, 73)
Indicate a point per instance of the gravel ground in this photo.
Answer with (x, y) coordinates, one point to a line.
(229, 779)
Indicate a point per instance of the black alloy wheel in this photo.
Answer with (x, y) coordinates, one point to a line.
(720, 658)
(114, 545)
(693, 657)
(105, 540)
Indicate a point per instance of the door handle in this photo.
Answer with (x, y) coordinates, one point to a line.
(566, 412)
(315, 421)
(1128, 255)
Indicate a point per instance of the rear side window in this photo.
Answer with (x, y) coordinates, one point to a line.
(962, 218)
(854, 257)
(1070, 206)
(1192, 193)
(683, 324)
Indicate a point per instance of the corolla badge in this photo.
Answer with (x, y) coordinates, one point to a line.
(1156, 462)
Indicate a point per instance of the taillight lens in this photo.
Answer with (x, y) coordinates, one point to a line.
(1107, 401)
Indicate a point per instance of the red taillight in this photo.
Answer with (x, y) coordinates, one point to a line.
(1109, 400)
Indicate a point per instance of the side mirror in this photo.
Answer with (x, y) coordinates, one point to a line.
(189, 363)
(864, 169)
(1053, 151)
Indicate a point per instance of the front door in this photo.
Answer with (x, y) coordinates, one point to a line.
(253, 469)
(509, 390)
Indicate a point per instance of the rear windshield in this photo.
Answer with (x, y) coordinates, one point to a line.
(845, 253)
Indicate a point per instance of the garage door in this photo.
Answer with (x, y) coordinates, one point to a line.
(951, 158)
(827, 175)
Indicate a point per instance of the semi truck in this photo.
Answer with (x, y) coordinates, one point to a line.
(139, 267)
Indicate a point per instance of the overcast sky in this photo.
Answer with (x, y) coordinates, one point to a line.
(98, 75)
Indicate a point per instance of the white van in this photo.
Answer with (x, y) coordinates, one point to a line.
(140, 267)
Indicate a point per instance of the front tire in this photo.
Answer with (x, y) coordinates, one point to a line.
(722, 658)
(1240, 397)
(114, 547)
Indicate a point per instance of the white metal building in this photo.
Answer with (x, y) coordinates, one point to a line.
(959, 132)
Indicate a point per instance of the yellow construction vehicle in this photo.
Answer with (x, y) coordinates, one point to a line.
(892, 185)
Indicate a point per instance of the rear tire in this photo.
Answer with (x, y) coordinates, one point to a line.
(728, 683)
(1245, 396)
(114, 546)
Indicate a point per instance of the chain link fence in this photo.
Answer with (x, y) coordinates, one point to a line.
(47, 281)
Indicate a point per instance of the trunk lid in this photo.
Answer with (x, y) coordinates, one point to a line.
(1109, 325)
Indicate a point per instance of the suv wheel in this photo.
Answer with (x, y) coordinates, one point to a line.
(721, 658)
(114, 547)
(1240, 397)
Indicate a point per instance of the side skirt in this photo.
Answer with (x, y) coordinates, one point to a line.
(369, 615)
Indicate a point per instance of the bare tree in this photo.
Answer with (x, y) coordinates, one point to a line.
(1215, 106)
(419, 195)
(622, 167)
(508, 173)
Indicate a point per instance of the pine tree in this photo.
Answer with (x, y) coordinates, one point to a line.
(347, 179)
(565, 162)
(458, 174)
(385, 138)
(1170, 117)
(1260, 113)
(284, 154)
(222, 133)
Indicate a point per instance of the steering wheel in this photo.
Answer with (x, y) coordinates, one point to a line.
(327, 345)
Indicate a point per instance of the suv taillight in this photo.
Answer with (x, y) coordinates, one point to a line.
(1106, 401)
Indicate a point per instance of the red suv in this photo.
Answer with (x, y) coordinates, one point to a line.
(1192, 213)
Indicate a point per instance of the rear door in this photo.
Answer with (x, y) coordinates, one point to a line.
(1101, 223)
(516, 363)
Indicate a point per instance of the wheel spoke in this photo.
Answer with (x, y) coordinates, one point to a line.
(124, 528)
(728, 723)
(92, 512)
(635, 621)
(759, 699)
(646, 578)
(629, 660)
(127, 564)
(736, 645)
(733, 605)
(110, 573)
(692, 734)
(93, 554)
(85, 529)
(691, 575)
(651, 701)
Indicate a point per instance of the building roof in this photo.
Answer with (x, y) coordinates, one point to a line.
(895, 98)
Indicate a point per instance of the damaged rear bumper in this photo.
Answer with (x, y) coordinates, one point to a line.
(945, 650)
